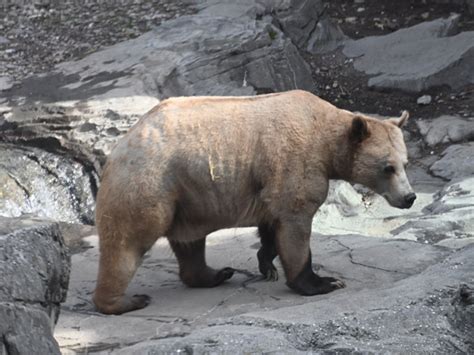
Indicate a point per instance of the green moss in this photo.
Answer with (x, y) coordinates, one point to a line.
(272, 34)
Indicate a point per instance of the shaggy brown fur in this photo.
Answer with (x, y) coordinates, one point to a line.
(195, 165)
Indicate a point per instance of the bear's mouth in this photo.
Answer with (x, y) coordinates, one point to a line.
(399, 203)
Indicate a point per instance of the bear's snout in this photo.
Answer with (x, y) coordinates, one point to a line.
(409, 199)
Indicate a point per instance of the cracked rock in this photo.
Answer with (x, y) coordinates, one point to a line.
(446, 129)
(34, 265)
(308, 25)
(36, 182)
(457, 161)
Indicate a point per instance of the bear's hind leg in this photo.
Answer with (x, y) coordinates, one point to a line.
(117, 265)
(193, 269)
(267, 252)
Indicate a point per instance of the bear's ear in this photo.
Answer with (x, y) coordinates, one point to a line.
(359, 129)
(399, 122)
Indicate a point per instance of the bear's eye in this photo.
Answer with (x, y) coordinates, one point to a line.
(389, 169)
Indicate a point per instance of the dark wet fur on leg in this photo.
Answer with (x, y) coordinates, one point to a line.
(267, 252)
(307, 283)
(193, 269)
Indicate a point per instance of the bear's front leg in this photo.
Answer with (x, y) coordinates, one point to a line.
(267, 252)
(292, 237)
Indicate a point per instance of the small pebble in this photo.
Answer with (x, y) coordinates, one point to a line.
(424, 100)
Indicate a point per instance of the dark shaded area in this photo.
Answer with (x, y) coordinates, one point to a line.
(51, 87)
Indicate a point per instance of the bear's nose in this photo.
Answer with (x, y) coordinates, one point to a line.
(409, 199)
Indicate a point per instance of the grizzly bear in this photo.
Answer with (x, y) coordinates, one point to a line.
(193, 165)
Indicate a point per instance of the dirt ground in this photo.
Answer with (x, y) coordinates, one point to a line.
(339, 83)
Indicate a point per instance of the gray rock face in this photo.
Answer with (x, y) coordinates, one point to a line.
(35, 182)
(417, 58)
(457, 161)
(307, 24)
(446, 129)
(210, 53)
(34, 265)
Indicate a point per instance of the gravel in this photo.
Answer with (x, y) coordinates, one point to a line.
(37, 37)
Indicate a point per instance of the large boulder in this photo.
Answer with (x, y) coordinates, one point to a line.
(307, 24)
(417, 58)
(33, 181)
(457, 161)
(34, 265)
(446, 129)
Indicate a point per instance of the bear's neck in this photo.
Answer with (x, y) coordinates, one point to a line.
(341, 152)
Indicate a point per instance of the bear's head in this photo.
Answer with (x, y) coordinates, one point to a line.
(380, 158)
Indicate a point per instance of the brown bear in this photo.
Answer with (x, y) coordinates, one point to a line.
(193, 165)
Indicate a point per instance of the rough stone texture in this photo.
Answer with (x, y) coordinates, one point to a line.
(398, 297)
(449, 216)
(457, 161)
(35, 266)
(307, 24)
(5, 82)
(417, 58)
(211, 52)
(446, 129)
(33, 181)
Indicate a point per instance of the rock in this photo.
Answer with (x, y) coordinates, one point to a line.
(394, 286)
(457, 161)
(417, 58)
(424, 100)
(448, 219)
(34, 265)
(33, 181)
(6, 83)
(209, 53)
(413, 309)
(307, 24)
(344, 198)
(446, 129)
(351, 19)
